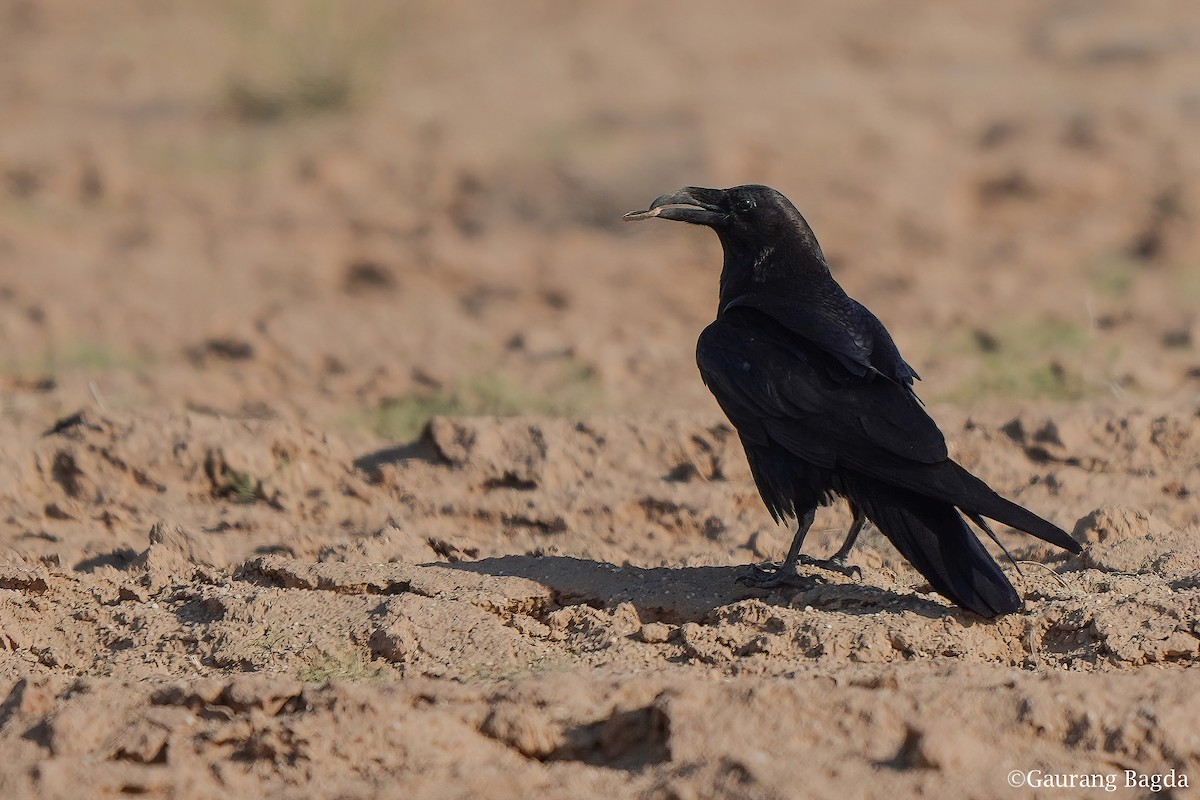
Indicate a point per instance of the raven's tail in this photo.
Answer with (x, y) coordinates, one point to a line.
(979, 498)
(936, 540)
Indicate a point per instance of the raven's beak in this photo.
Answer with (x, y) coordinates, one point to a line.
(693, 204)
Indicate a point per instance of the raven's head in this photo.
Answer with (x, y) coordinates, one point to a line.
(748, 219)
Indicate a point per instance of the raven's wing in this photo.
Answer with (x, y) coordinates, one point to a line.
(777, 386)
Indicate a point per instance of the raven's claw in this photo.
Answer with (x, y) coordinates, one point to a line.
(836, 564)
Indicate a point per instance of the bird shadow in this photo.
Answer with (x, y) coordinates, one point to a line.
(677, 595)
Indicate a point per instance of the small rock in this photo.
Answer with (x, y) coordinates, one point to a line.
(1115, 523)
(194, 693)
(143, 742)
(365, 275)
(395, 642)
(1174, 555)
(222, 348)
(268, 693)
(625, 619)
(934, 746)
(524, 728)
(173, 551)
(655, 632)
(703, 643)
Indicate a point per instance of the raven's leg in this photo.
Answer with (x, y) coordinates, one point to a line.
(837, 562)
(785, 573)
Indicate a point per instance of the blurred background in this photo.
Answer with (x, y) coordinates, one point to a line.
(248, 248)
(360, 214)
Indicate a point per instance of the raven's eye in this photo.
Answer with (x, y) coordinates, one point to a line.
(745, 204)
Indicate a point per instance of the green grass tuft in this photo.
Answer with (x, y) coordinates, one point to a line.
(1112, 276)
(402, 418)
(76, 356)
(572, 392)
(303, 94)
(1029, 359)
(303, 58)
(241, 486)
(326, 667)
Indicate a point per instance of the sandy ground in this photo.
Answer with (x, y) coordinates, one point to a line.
(350, 446)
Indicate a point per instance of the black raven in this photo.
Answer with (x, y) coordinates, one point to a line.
(825, 406)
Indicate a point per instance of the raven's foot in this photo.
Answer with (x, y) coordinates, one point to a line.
(836, 564)
(773, 576)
